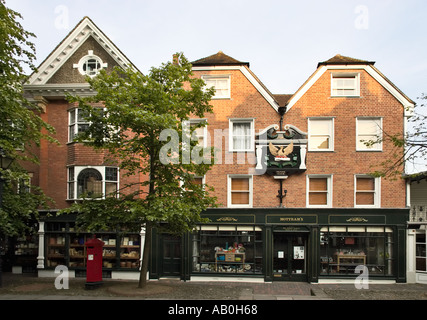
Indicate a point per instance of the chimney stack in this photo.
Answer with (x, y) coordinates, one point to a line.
(175, 60)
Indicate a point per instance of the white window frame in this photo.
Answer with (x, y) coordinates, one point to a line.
(216, 78)
(229, 191)
(356, 88)
(415, 249)
(90, 56)
(329, 179)
(252, 135)
(331, 126)
(76, 123)
(79, 169)
(181, 182)
(377, 147)
(189, 122)
(377, 191)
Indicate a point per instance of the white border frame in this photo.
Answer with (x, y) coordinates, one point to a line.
(329, 184)
(331, 134)
(380, 149)
(356, 75)
(251, 190)
(230, 134)
(79, 169)
(219, 76)
(377, 191)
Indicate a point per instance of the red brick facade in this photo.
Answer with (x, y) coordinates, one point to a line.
(342, 163)
(246, 100)
(249, 99)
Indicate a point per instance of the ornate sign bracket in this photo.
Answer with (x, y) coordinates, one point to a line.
(281, 152)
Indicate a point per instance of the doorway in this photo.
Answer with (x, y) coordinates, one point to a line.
(290, 256)
(171, 256)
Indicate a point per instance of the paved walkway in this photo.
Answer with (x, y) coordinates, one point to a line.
(24, 287)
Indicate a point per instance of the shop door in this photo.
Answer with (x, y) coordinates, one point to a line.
(171, 262)
(289, 256)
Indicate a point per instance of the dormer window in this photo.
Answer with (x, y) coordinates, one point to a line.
(90, 65)
(221, 84)
(345, 85)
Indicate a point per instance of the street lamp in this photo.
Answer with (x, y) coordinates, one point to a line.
(5, 162)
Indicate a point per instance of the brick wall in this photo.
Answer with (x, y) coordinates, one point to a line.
(343, 163)
(246, 102)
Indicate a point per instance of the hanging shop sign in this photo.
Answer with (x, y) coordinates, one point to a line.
(281, 151)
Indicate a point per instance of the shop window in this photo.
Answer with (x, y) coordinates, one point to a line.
(227, 249)
(342, 249)
(420, 251)
(66, 246)
(240, 191)
(368, 134)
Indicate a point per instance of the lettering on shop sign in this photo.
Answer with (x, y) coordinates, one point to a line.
(226, 219)
(357, 219)
(292, 219)
(295, 219)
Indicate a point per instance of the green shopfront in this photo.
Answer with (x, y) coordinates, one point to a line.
(284, 244)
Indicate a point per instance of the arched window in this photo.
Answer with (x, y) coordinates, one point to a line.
(89, 183)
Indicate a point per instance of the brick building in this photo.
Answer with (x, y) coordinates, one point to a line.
(296, 198)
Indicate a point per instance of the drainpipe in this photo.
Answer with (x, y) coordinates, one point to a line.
(282, 111)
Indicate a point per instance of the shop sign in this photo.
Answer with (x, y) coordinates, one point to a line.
(291, 219)
(291, 229)
(232, 219)
(356, 219)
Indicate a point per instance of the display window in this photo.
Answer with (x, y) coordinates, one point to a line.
(343, 248)
(227, 249)
(420, 251)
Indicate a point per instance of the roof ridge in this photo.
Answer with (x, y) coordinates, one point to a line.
(340, 59)
(219, 58)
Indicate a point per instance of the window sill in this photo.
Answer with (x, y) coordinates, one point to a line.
(241, 151)
(334, 97)
(369, 150)
(239, 206)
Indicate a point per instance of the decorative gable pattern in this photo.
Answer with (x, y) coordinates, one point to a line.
(58, 66)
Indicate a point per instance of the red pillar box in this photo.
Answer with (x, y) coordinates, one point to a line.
(94, 263)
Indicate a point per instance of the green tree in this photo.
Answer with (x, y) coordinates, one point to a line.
(409, 150)
(140, 124)
(21, 127)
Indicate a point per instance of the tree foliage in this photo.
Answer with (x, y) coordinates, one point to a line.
(139, 120)
(21, 127)
(408, 150)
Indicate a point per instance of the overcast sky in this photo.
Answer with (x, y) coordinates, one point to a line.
(282, 40)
